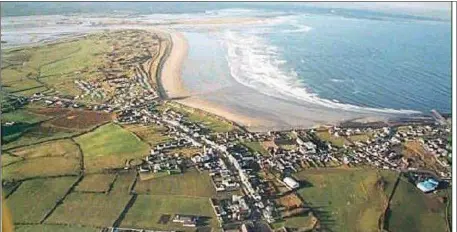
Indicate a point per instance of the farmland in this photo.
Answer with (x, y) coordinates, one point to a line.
(256, 147)
(54, 228)
(96, 183)
(346, 199)
(41, 167)
(212, 122)
(65, 148)
(53, 66)
(110, 146)
(190, 183)
(411, 210)
(44, 191)
(90, 209)
(336, 141)
(8, 159)
(152, 135)
(306, 222)
(147, 210)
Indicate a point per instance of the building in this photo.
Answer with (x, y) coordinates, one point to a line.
(290, 182)
(186, 220)
(428, 185)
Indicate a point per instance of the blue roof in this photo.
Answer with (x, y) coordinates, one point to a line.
(428, 185)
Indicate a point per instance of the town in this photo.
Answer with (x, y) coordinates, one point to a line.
(253, 173)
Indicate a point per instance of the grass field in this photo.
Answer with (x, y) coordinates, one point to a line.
(326, 136)
(190, 183)
(64, 148)
(56, 65)
(23, 202)
(22, 115)
(9, 187)
(89, 209)
(411, 210)
(147, 210)
(305, 222)
(123, 183)
(8, 159)
(53, 228)
(256, 147)
(35, 134)
(186, 151)
(24, 121)
(41, 167)
(153, 135)
(95, 183)
(214, 123)
(110, 146)
(345, 199)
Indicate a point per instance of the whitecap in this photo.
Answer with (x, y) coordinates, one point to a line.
(252, 64)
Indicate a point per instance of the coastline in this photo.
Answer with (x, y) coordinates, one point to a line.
(174, 88)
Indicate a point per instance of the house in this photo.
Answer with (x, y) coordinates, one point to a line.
(186, 220)
(428, 185)
(290, 182)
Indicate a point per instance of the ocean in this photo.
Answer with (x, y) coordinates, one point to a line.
(341, 59)
(393, 65)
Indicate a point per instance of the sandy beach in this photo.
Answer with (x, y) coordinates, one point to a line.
(172, 83)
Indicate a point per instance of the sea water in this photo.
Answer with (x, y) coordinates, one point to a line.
(389, 64)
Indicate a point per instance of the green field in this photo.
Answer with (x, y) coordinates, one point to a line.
(147, 210)
(95, 183)
(23, 202)
(411, 210)
(190, 183)
(89, 209)
(22, 115)
(123, 183)
(345, 199)
(24, 121)
(41, 167)
(110, 146)
(360, 138)
(64, 148)
(214, 123)
(53, 228)
(35, 69)
(26, 134)
(8, 159)
(256, 147)
(336, 141)
(152, 135)
(304, 222)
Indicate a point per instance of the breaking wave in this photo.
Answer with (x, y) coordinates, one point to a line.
(258, 65)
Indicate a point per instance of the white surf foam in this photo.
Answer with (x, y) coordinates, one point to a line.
(258, 65)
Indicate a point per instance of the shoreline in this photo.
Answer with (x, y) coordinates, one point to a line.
(254, 111)
(174, 88)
